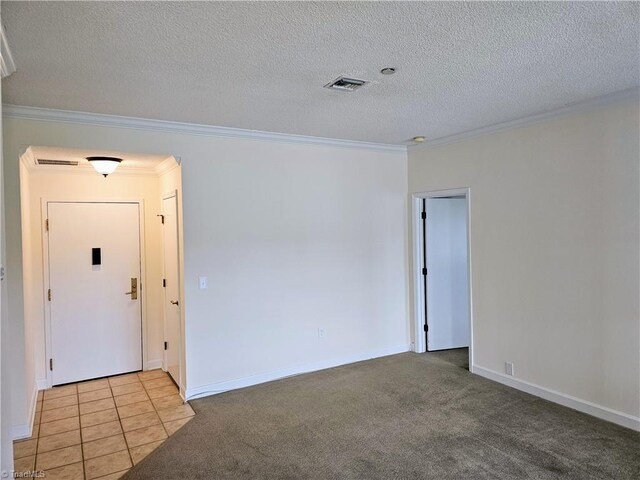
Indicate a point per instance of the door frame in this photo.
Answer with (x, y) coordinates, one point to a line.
(45, 270)
(419, 316)
(181, 355)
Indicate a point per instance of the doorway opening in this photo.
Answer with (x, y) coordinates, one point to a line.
(102, 265)
(442, 273)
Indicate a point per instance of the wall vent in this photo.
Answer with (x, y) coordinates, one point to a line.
(345, 84)
(46, 161)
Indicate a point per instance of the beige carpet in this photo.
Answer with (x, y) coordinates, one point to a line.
(399, 417)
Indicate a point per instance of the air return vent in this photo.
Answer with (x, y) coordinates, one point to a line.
(345, 84)
(46, 161)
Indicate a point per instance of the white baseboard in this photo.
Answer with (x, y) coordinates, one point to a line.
(584, 406)
(41, 384)
(153, 364)
(225, 386)
(25, 430)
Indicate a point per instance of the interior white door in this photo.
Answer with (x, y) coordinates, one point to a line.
(173, 336)
(96, 327)
(447, 287)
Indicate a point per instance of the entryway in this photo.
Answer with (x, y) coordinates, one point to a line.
(442, 271)
(101, 264)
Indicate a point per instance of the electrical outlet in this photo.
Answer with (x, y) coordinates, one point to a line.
(321, 333)
(203, 283)
(508, 368)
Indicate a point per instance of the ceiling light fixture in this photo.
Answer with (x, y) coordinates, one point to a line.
(388, 71)
(104, 165)
(418, 139)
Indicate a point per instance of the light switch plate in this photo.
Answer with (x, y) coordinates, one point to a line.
(203, 283)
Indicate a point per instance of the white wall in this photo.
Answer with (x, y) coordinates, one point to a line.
(24, 380)
(6, 352)
(554, 250)
(293, 237)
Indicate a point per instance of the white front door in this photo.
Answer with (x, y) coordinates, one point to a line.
(173, 336)
(447, 287)
(96, 325)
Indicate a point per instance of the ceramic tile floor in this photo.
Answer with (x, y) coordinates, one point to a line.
(101, 428)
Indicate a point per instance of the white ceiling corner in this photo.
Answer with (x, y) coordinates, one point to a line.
(616, 97)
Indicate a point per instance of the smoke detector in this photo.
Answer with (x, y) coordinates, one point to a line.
(346, 84)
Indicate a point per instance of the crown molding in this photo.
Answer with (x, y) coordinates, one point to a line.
(7, 65)
(166, 166)
(27, 159)
(572, 109)
(85, 118)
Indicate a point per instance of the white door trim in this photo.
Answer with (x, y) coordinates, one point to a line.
(45, 277)
(420, 344)
(182, 356)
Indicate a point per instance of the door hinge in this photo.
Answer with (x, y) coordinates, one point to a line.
(424, 215)
(164, 282)
(166, 345)
(51, 364)
(424, 271)
(46, 224)
(49, 294)
(426, 327)
(161, 218)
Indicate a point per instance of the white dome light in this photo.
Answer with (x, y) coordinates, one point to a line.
(104, 165)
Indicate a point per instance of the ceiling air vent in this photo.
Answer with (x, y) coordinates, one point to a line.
(45, 161)
(346, 84)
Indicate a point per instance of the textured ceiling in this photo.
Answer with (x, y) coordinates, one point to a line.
(262, 66)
